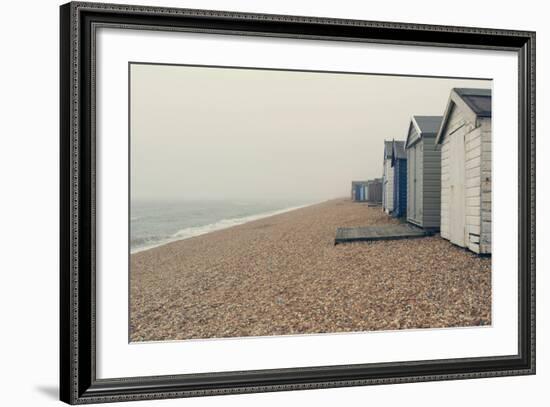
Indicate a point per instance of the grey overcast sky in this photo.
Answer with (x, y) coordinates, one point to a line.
(218, 133)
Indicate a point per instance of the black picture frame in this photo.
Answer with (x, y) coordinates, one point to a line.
(78, 382)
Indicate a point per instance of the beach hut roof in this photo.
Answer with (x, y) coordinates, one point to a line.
(388, 148)
(473, 100)
(479, 100)
(398, 151)
(428, 124)
(424, 126)
(370, 181)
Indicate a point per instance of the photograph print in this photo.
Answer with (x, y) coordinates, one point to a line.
(269, 202)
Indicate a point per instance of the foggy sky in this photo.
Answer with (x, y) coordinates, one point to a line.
(216, 133)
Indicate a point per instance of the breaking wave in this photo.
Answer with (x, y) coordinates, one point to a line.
(141, 244)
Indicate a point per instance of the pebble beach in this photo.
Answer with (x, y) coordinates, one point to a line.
(283, 275)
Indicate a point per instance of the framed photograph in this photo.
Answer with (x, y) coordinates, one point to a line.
(255, 203)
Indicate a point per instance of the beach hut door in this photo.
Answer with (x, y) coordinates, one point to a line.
(457, 202)
(412, 185)
(418, 183)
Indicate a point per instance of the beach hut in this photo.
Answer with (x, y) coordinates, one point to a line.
(374, 191)
(387, 178)
(424, 172)
(465, 141)
(359, 191)
(399, 165)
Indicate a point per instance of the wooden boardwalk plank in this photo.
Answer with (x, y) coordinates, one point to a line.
(383, 232)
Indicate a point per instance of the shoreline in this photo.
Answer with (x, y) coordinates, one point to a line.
(236, 222)
(283, 275)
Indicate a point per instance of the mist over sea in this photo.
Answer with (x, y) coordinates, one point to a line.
(156, 223)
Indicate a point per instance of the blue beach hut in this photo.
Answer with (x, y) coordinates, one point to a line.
(399, 164)
(359, 191)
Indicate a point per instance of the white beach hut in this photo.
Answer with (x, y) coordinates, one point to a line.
(387, 178)
(423, 172)
(465, 141)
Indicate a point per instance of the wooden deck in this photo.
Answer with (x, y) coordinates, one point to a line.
(383, 232)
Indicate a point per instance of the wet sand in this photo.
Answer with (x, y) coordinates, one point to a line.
(283, 275)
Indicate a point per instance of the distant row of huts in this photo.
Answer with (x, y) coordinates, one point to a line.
(367, 191)
(439, 177)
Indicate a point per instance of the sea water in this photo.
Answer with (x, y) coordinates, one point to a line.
(153, 224)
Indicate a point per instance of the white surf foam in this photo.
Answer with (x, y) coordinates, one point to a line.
(212, 227)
